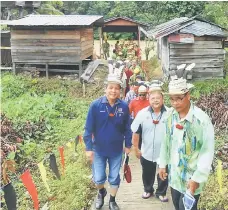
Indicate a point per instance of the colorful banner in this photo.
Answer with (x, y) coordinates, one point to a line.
(43, 175)
(26, 177)
(53, 166)
(10, 197)
(29, 184)
(61, 151)
(219, 175)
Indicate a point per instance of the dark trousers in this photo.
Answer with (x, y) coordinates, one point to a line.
(148, 177)
(178, 202)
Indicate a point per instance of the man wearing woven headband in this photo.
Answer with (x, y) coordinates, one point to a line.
(107, 128)
(150, 119)
(188, 148)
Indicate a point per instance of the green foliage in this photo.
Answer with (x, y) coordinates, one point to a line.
(4, 28)
(226, 62)
(149, 46)
(212, 198)
(50, 8)
(30, 103)
(217, 12)
(209, 86)
(77, 181)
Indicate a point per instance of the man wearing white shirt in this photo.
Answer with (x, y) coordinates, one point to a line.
(150, 120)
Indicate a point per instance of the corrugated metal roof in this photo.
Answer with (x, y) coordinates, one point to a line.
(128, 19)
(199, 28)
(187, 25)
(169, 27)
(58, 20)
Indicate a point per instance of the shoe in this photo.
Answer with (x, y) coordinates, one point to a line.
(162, 198)
(100, 200)
(146, 195)
(113, 206)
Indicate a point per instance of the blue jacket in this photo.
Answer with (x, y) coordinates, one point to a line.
(108, 132)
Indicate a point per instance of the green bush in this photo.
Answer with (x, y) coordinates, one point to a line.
(30, 100)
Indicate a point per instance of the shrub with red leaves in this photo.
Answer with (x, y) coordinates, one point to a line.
(216, 106)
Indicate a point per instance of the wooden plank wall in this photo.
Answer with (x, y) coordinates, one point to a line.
(226, 43)
(86, 43)
(5, 49)
(165, 54)
(50, 46)
(206, 53)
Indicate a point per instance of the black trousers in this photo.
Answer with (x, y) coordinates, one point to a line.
(148, 177)
(178, 202)
(139, 131)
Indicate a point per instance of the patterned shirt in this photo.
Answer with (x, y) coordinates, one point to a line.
(189, 150)
(130, 96)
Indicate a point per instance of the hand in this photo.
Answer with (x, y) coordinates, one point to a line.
(192, 186)
(127, 150)
(138, 153)
(89, 156)
(162, 174)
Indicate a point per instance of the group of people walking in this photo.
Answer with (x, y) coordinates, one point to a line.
(122, 50)
(178, 142)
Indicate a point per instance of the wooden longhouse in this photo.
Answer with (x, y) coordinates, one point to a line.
(191, 40)
(53, 41)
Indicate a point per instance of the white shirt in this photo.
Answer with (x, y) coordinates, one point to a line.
(152, 134)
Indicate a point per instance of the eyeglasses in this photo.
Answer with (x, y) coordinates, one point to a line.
(142, 94)
(178, 99)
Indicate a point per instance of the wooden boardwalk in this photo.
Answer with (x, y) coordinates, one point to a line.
(129, 195)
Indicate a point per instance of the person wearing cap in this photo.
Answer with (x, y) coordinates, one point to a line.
(107, 128)
(152, 128)
(188, 148)
(140, 102)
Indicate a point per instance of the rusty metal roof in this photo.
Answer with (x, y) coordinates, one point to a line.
(127, 19)
(58, 20)
(194, 25)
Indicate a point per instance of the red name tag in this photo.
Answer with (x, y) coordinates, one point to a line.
(155, 121)
(178, 126)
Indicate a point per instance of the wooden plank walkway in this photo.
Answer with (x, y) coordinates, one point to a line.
(129, 195)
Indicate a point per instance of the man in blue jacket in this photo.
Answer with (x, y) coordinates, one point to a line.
(107, 127)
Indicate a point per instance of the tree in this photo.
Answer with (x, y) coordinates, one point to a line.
(50, 8)
(149, 46)
(217, 12)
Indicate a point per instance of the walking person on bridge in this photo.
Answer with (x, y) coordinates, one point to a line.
(152, 129)
(108, 121)
(138, 104)
(188, 148)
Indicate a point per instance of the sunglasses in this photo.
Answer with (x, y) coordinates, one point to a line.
(142, 94)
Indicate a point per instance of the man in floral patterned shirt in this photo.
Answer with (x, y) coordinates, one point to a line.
(188, 148)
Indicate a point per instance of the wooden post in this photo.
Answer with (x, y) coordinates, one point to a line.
(139, 36)
(80, 69)
(100, 38)
(14, 67)
(46, 70)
